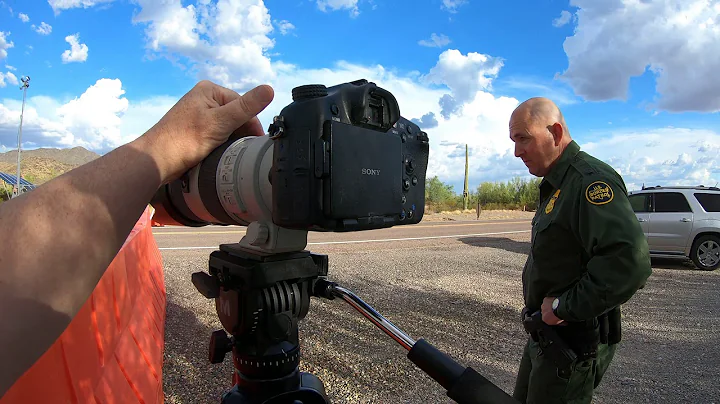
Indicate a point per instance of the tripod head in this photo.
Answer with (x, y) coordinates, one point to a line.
(262, 288)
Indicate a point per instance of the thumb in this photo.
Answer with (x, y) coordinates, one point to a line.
(237, 112)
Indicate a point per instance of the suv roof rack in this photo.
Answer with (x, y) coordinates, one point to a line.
(697, 187)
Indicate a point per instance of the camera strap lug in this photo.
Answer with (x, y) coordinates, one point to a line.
(277, 128)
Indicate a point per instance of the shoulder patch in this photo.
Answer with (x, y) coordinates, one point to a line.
(599, 193)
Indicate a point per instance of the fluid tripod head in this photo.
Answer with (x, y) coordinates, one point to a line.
(260, 297)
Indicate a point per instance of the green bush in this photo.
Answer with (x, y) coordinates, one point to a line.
(516, 194)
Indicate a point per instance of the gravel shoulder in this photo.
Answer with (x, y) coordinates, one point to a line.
(459, 215)
(463, 296)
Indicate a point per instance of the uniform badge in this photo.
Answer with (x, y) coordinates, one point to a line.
(599, 193)
(551, 204)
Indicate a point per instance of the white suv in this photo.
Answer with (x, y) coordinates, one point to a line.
(681, 222)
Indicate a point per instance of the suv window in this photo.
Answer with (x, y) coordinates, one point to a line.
(709, 202)
(675, 202)
(640, 203)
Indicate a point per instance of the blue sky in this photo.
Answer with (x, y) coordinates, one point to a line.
(636, 81)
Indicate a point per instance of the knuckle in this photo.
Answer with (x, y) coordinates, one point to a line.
(204, 84)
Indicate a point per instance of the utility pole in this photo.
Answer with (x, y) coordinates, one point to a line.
(25, 84)
(466, 194)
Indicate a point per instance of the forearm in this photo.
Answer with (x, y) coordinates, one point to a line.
(610, 281)
(74, 224)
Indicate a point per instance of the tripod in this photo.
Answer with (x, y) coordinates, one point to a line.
(261, 295)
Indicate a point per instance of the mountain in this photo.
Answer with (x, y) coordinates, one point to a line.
(75, 157)
(41, 165)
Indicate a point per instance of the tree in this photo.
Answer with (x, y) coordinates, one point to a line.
(437, 191)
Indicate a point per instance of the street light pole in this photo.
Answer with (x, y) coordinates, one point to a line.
(25, 84)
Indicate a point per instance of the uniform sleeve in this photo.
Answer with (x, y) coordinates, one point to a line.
(619, 261)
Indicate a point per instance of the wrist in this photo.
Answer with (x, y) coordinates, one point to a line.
(556, 307)
(157, 153)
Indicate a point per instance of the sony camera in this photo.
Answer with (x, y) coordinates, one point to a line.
(335, 159)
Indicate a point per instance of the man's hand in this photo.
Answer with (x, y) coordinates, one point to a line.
(202, 120)
(547, 313)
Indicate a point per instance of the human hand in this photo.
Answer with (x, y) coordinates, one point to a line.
(202, 120)
(547, 313)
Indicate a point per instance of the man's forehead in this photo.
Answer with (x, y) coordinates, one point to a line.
(518, 120)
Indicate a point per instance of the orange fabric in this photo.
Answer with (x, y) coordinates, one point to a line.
(112, 351)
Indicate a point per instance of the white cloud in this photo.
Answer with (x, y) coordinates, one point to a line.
(9, 77)
(435, 41)
(143, 115)
(10, 67)
(284, 26)
(452, 5)
(4, 44)
(24, 17)
(58, 5)
(225, 42)
(563, 19)
(43, 29)
(665, 156)
(333, 5)
(78, 52)
(675, 40)
(92, 120)
(464, 75)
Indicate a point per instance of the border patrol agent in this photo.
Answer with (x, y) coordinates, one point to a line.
(588, 256)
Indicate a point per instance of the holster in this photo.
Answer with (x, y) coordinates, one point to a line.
(583, 337)
(610, 327)
(525, 313)
(551, 345)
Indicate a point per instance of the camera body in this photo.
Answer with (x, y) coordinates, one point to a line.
(345, 160)
(335, 159)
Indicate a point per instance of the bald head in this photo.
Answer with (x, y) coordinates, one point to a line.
(540, 134)
(540, 111)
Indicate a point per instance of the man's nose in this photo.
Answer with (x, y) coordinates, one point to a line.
(518, 150)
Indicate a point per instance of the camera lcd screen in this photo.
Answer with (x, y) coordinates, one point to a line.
(366, 172)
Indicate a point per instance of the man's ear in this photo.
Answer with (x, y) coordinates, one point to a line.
(558, 133)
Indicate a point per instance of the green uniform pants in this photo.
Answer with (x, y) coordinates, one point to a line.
(540, 382)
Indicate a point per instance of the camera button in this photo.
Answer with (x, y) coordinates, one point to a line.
(414, 180)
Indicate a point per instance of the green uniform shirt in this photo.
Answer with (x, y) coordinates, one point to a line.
(587, 245)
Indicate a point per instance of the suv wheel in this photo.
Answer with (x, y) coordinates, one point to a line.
(705, 252)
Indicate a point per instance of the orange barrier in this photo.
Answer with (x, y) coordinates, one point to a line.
(112, 351)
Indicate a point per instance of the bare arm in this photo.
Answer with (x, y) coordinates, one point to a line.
(57, 240)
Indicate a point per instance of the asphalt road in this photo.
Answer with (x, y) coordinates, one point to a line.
(211, 236)
(456, 284)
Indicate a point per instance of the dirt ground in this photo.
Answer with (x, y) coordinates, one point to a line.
(460, 215)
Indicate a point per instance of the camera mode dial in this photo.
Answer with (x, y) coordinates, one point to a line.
(309, 91)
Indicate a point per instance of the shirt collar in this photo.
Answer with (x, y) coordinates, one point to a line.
(557, 172)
